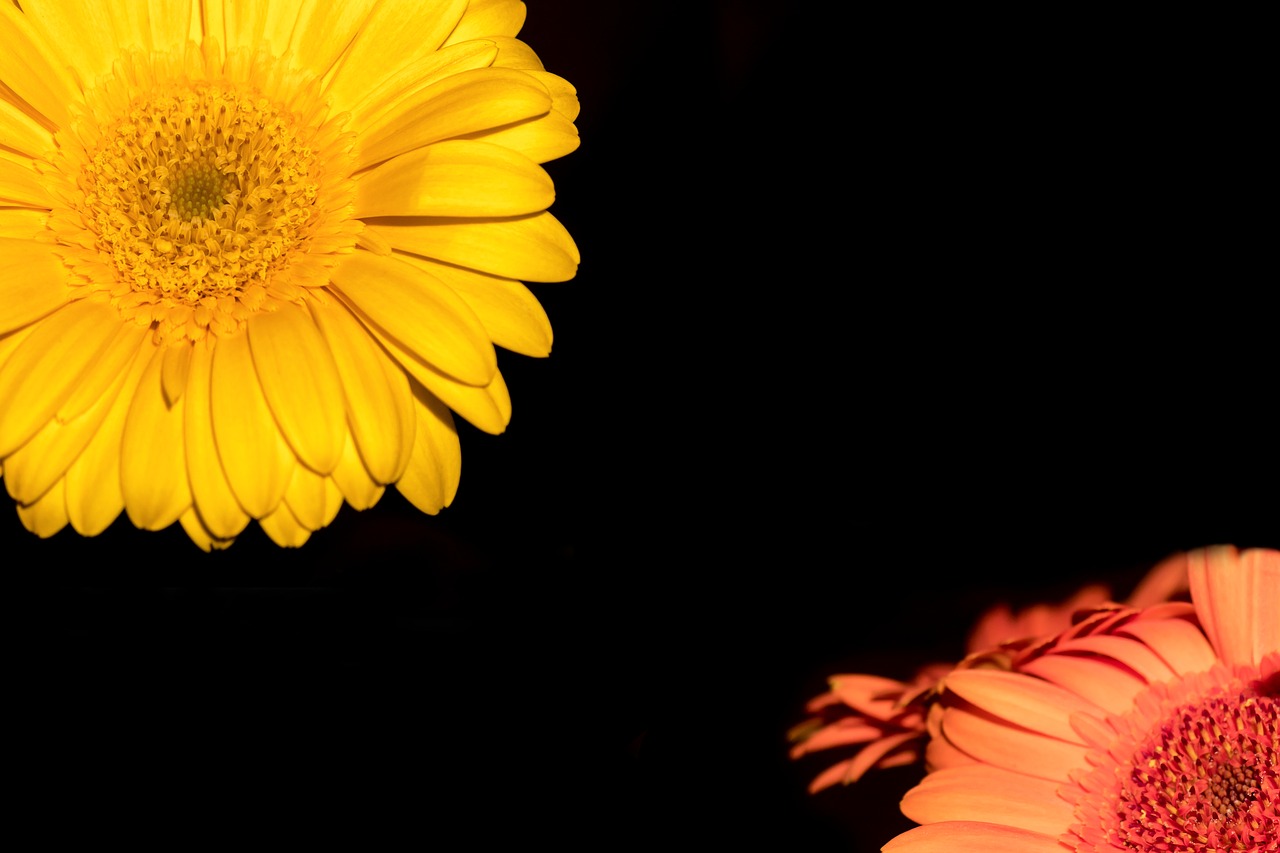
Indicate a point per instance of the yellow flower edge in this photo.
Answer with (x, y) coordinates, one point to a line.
(255, 257)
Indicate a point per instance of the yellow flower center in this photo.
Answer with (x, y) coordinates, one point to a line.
(199, 193)
(198, 196)
(198, 188)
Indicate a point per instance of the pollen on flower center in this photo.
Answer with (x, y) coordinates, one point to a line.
(1206, 780)
(199, 192)
(197, 188)
(1232, 788)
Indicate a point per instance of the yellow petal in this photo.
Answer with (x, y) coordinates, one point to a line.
(32, 283)
(396, 34)
(46, 516)
(455, 178)
(173, 372)
(220, 514)
(301, 384)
(251, 25)
(94, 499)
(388, 90)
(78, 27)
(284, 529)
(20, 183)
(323, 30)
(489, 18)
(487, 409)
(564, 96)
(510, 313)
(33, 468)
(463, 103)
(96, 502)
(10, 342)
(353, 480)
(255, 457)
(305, 497)
(200, 535)
(332, 501)
(112, 361)
(379, 403)
(170, 23)
(42, 372)
(528, 248)
(23, 223)
(153, 473)
(35, 69)
(210, 19)
(420, 312)
(431, 480)
(21, 132)
(541, 139)
(513, 53)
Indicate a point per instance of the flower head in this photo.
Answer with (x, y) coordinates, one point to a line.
(1154, 729)
(253, 256)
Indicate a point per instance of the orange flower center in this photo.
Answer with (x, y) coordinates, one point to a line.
(1205, 780)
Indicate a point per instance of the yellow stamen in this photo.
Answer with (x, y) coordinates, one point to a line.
(202, 196)
(199, 192)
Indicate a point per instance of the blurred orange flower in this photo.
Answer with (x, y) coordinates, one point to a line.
(1143, 729)
(887, 717)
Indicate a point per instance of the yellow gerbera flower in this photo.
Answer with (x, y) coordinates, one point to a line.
(253, 253)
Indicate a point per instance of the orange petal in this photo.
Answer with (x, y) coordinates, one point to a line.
(939, 755)
(967, 836)
(873, 753)
(1235, 596)
(1179, 643)
(843, 733)
(983, 793)
(1027, 702)
(1133, 654)
(869, 694)
(1098, 680)
(1012, 748)
(1165, 581)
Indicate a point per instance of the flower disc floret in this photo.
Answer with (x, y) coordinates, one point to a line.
(200, 198)
(198, 194)
(1199, 781)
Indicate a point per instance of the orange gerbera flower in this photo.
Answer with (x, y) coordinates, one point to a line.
(1144, 730)
(887, 717)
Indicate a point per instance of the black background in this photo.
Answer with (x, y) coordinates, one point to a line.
(878, 322)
